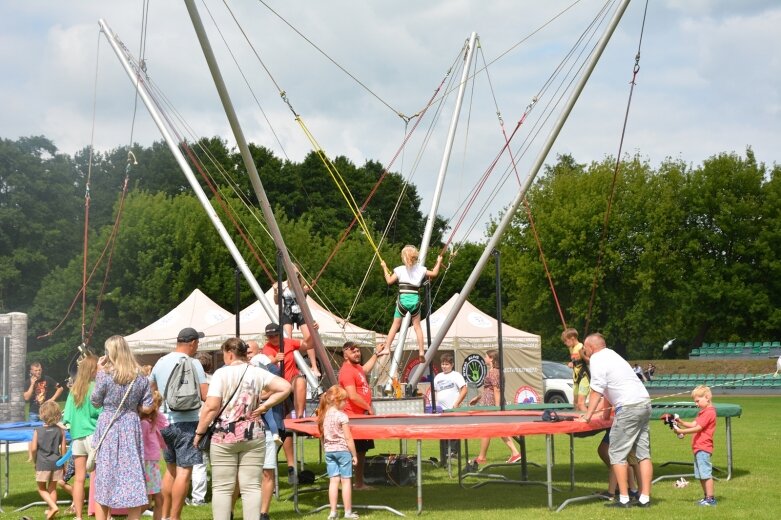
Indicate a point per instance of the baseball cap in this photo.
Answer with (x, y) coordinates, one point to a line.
(188, 334)
(272, 329)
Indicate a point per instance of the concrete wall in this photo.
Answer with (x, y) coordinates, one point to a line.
(13, 365)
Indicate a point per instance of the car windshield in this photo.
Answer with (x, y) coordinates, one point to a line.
(553, 370)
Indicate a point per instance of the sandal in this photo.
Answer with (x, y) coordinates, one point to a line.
(479, 460)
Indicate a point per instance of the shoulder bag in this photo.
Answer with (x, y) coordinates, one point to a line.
(93, 450)
(206, 438)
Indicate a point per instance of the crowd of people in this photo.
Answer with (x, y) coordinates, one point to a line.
(124, 419)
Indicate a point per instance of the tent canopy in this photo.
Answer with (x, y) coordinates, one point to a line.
(253, 320)
(197, 310)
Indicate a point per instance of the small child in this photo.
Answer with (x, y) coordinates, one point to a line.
(580, 373)
(703, 428)
(151, 424)
(47, 446)
(340, 454)
(410, 278)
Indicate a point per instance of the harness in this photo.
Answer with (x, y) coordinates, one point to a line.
(583, 372)
(408, 288)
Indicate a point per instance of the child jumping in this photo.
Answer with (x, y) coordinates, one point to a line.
(47, 446)
(340, 454)
(151, 424)
(703, 428)
(410, 278)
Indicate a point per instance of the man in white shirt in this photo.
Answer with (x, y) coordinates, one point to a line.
(613, 378)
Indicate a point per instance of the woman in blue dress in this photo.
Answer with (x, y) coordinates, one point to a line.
(119, 479)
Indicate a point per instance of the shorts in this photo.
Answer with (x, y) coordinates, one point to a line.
(339, 464)
(363, 445)
(179, 449)
(270, 460)
(152, 476)
(80, 447)
(409, 302)
(34, 417)
(48, 476)
(606, 437)
(292, 318)
(631, 429)
(703, 467)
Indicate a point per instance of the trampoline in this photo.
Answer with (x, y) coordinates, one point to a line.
(459, 425)
(689, 410)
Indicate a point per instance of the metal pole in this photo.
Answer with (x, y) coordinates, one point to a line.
(428, 342)
(432, 216)
(510, 213)
(238, 302)
(257, 186)
(502, 399)
(140, 85)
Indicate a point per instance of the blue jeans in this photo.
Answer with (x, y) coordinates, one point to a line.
(339, 464)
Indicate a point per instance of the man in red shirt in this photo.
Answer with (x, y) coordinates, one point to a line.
(352, 376)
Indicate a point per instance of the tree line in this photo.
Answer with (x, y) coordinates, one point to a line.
(690, 252)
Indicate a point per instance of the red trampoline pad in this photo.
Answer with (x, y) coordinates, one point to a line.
(455, 425)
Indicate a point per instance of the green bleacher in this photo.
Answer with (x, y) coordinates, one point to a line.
(733, 349)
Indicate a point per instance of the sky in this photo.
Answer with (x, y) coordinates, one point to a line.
(708, 81)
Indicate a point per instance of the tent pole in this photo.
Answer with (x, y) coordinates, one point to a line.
(498, 285)
(260, 193)
(493, 242)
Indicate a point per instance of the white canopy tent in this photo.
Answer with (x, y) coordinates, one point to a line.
(197, 311)
(253, 320)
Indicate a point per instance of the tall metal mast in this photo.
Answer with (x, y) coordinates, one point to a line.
(510, 213)
(432, 216)
(137, 78)
(260, 193)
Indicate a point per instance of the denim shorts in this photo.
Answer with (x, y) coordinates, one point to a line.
(703, 468)
(179, 449)
(339, 464)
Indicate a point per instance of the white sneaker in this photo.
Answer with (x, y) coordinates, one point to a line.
(351, 515)
(147, 513)
(277, 439)
(333, 515)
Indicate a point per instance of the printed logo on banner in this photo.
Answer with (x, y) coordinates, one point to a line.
(474, 369)
(526, 395)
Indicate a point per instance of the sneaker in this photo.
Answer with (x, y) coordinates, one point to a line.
(194, 503)
(634, 495)
(333, 515)
(277, 439)
(291, 475)
(707, 502)
(620, 504)
(351, 515)
(640, 504)
(264, 516)
(147, 513)
(514, 458)
(607, 495)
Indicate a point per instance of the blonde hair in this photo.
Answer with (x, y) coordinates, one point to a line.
(702, 391)
(125, 368)
(409, 255)
(85, 375)
(335, 395)
(569, 333)
(50, 413)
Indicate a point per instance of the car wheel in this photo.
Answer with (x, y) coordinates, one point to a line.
(556, 399)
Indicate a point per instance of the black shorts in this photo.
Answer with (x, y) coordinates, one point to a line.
(363, 445)
(293, 319)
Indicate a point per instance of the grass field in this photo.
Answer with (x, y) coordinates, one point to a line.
(752, 492)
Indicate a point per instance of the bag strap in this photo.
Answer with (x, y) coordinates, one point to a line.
(116, 413)
(224, 406)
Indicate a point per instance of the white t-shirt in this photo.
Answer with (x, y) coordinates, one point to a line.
(224, 383)
(260, 360)
(613, 377)
(447, 387)
(413, 276)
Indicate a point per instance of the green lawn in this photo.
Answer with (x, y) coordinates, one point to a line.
(752, 492)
